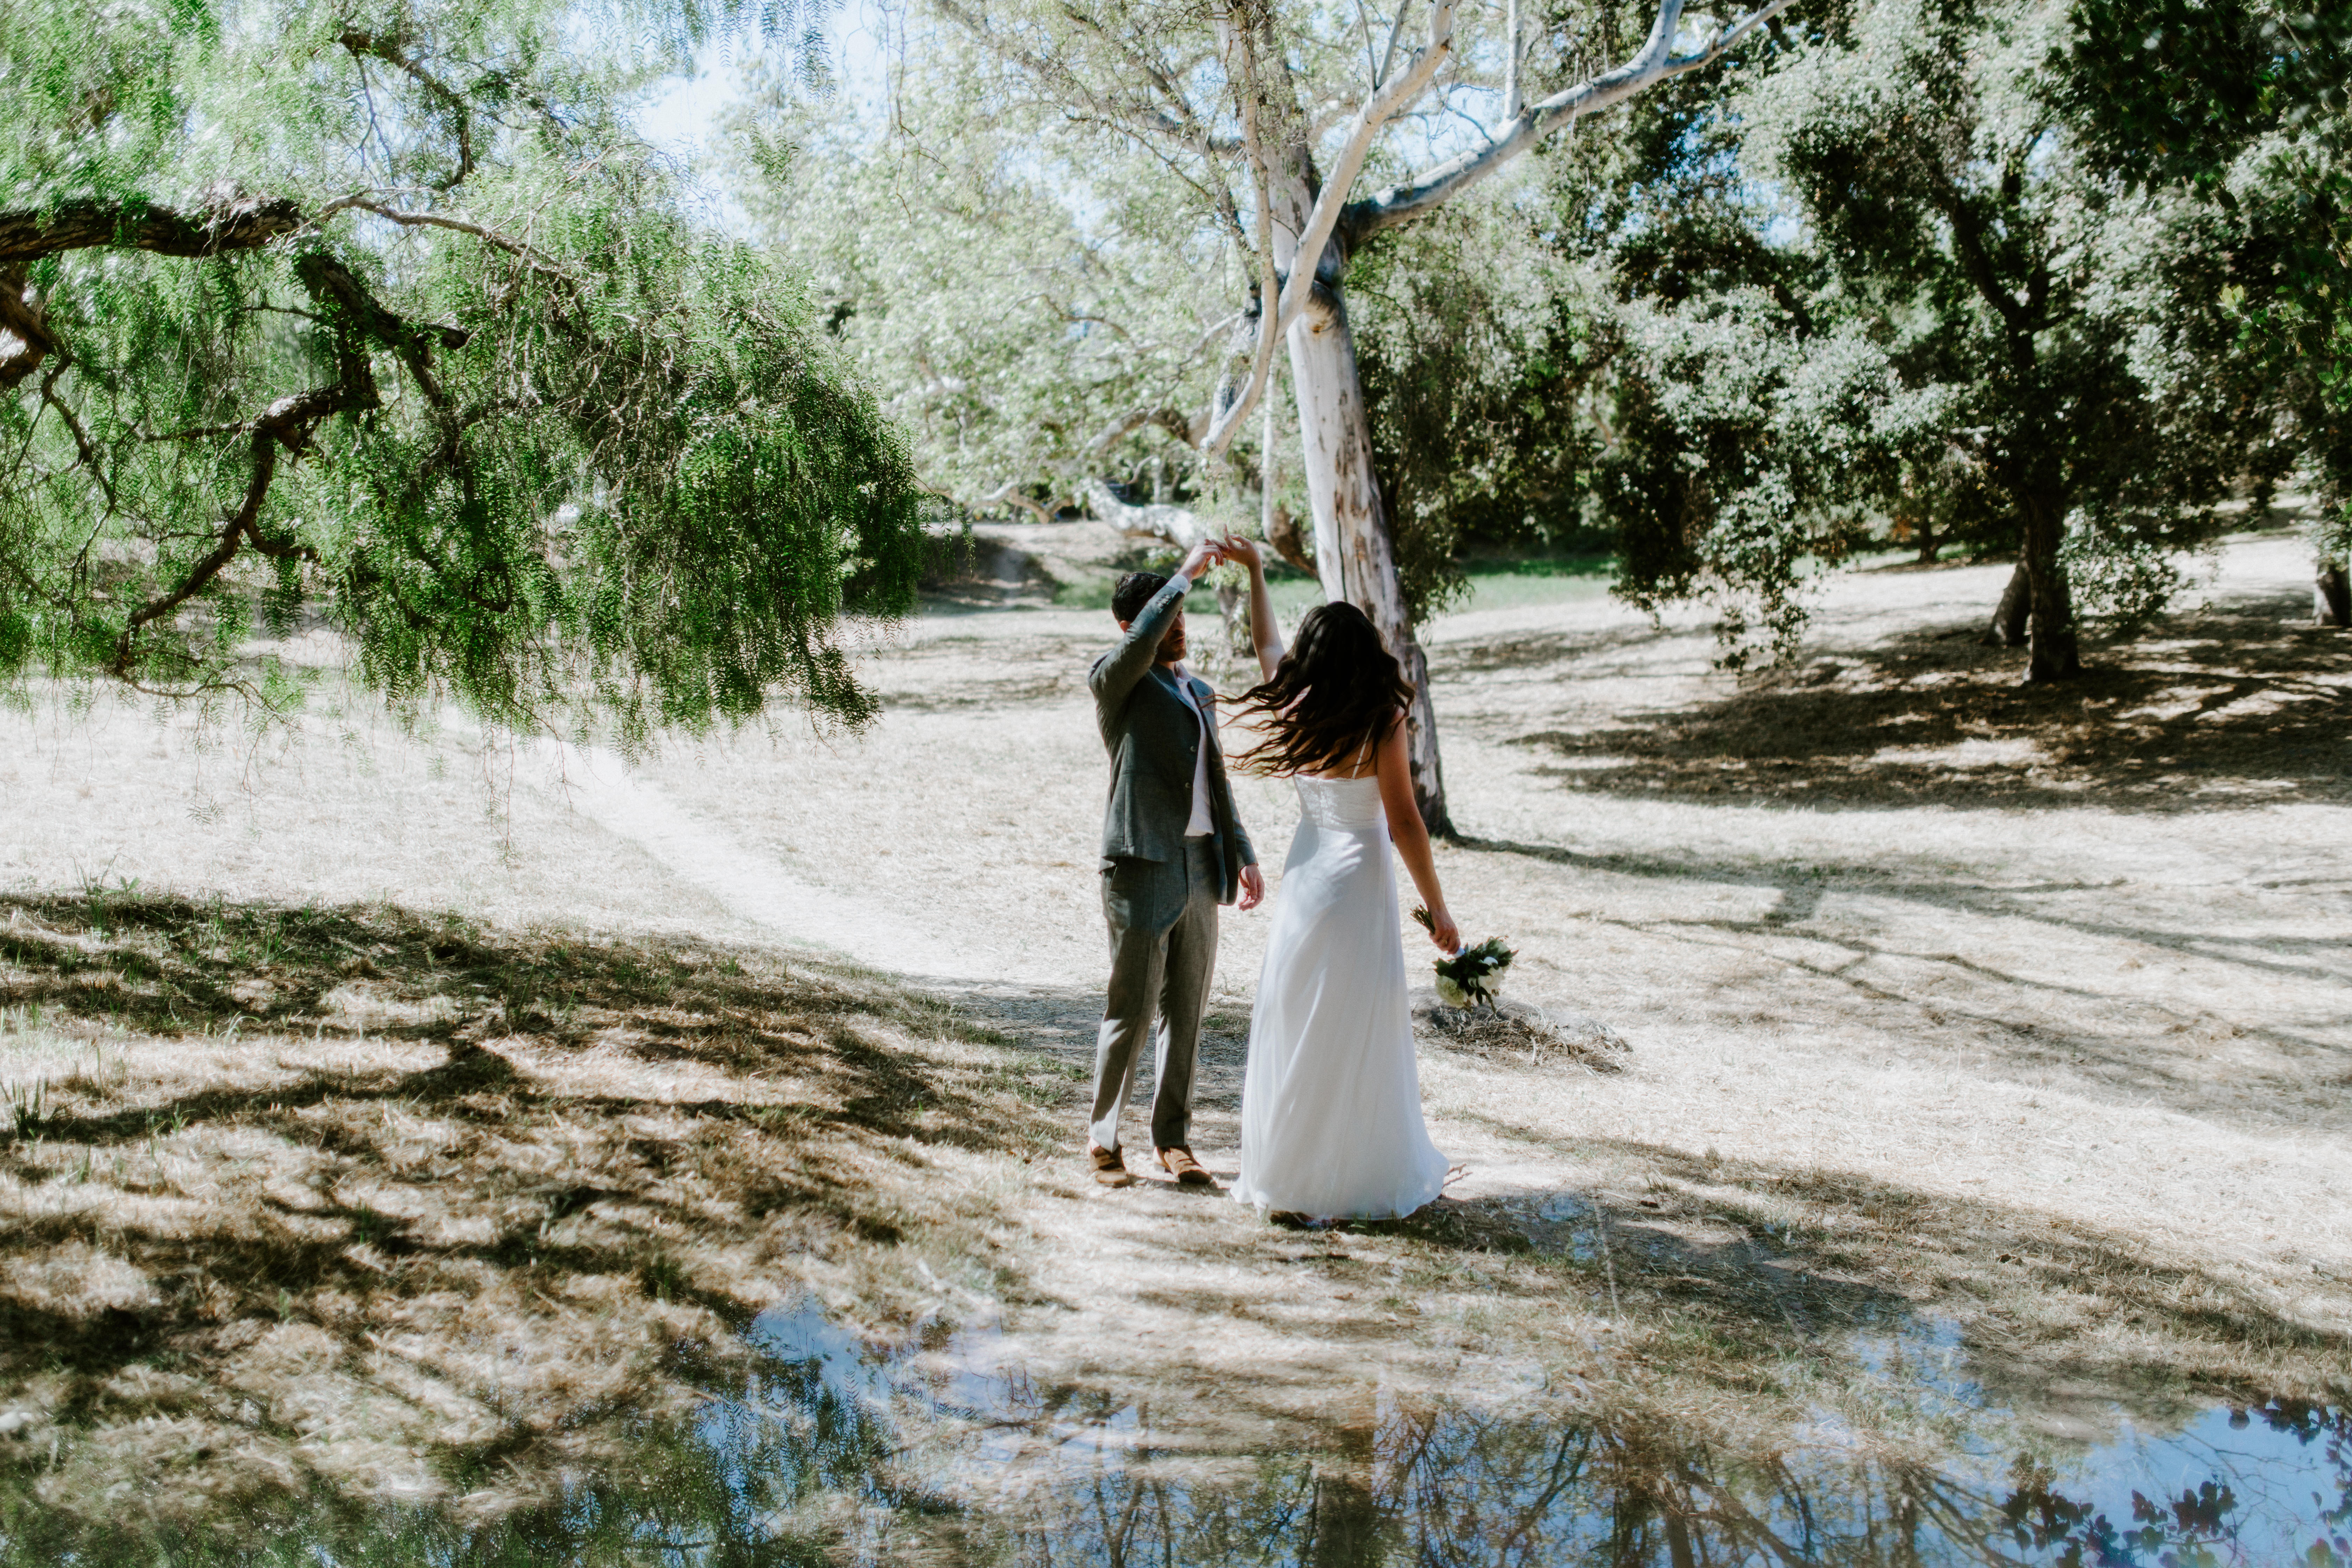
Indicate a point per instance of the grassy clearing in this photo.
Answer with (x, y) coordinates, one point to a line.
(1950, 1018)
(1985, 1081)
(362, 1205)
(1082, 580)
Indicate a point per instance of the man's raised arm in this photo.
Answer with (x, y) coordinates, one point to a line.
(1116, 675)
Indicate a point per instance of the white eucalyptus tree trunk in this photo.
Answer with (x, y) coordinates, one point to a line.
(1311, 212)
(1352, 550)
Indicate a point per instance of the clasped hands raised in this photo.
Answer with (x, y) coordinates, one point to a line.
(1216, 552)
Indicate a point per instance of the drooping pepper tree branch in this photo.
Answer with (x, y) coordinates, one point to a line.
(230, 222)
(286, 426)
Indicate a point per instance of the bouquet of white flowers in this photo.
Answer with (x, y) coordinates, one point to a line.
(1474, 976)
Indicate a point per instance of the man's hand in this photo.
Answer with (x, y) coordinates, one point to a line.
(1253, 888)
(1234, 547)
(1198, 559)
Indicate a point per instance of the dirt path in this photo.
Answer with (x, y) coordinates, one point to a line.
(754, 887)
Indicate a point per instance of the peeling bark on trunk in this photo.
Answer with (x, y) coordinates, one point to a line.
(2052, 652)
(2331, 594)
(1352, 553)
(2008, 627)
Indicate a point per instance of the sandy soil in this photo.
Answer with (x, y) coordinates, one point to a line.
(2028, 1012)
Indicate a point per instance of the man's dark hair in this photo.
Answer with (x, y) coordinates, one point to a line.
(1134, 591)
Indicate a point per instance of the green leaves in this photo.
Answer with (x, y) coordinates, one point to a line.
(1887, 291)
(442, 360)
(2242, 103)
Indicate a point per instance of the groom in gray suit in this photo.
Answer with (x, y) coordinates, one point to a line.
(1172, 851)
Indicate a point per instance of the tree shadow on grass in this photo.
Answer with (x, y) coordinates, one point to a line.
(299, 1173)
(1743, 1274)
(2087, 1023)
(120, 962)
(2229, 706)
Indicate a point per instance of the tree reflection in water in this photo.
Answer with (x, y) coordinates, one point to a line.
(823, 1450)
(1437, 1486)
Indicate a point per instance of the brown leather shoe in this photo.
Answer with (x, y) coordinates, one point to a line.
(1110, 1167)
(1178, 1162)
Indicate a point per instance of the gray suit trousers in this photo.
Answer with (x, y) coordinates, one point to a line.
(1162, 916)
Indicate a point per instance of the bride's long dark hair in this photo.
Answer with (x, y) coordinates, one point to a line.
(1335, 692)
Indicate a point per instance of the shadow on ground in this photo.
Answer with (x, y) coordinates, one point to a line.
(2082, 1022)
(2236, 705)
(323, 1207)
(358, 1197)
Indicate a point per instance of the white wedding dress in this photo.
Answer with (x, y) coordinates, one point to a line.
(1331, 1103)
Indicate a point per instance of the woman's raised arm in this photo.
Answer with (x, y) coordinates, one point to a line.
(1264, 630)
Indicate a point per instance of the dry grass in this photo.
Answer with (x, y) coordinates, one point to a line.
(390, 1208)
(1963, 1026)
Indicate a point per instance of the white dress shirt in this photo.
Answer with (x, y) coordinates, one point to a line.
(1202, 824)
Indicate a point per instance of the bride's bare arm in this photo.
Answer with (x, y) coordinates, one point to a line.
(1394, 770)
(1265, 631)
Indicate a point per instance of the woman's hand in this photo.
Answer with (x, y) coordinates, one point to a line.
(1244, 552)
(1200, 559)
(1444, 931)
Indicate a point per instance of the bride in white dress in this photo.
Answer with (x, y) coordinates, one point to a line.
(1331, 1124)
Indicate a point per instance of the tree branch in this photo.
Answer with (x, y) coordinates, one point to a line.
(1396, 32)
(288, 424)
(1175, 421)
(461, 111)
(1152, 121)
(229, 222)
(1968, 243)
(1654, 63)
(1298, 289)
(200, 575)
(1227, 425)
(1511, 60)
(1173, 525)
(434, 220)
(1392, 95)
(1008, 494)
(356, 310)
(82, 442)
(23, 320)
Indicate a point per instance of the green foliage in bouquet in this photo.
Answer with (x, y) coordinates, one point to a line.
(1472, 977)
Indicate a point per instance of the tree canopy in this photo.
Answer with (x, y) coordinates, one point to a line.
(2244, 106)
(383, 315)
(1039, 306)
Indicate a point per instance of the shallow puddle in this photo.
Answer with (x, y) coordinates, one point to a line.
(827, 1449)
(1037, 1474)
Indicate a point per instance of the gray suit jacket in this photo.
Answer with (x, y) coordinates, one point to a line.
(1153, 740)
